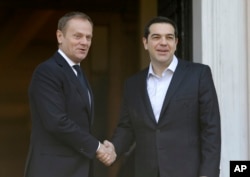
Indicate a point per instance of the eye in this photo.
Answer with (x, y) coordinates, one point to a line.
(155, 37)
(89, 38)
(77, 36)
(170, 37)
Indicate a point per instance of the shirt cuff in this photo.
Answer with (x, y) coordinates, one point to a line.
(98, 146)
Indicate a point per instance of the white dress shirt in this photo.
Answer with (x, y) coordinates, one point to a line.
(69, 61)
(157, 86)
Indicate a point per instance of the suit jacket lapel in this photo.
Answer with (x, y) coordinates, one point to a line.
(144, 95)
(179, 74)
(72, 77)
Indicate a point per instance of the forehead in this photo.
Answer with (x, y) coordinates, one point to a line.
(79, 24)
(161, 28)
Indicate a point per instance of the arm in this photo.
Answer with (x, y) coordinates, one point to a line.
(123, 136)
(209, 125)
(49, 105)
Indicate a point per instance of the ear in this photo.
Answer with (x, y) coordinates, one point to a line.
(176, 41)
(59, 36)
(145, 42)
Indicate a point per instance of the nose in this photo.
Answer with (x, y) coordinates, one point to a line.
(163, 41)
(83, 40)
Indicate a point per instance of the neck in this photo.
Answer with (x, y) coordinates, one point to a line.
(158, 67)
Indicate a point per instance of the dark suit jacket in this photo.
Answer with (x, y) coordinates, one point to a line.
(186, 141)
(61, 143)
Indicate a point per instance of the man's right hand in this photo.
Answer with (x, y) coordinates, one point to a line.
(106, 153)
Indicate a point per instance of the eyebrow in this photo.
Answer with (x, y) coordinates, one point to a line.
(157, 34)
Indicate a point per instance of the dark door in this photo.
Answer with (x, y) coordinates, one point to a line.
(181, 12)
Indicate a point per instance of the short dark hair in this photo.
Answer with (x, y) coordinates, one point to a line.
(160, 19)
(62, 22)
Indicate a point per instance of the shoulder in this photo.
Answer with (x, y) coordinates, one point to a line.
(48, 69)
(139, 76)
(49, 65)
(192, 66)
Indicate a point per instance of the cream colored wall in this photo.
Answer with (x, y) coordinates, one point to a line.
(224, 46)
(248, 50)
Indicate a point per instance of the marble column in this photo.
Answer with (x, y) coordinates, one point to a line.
(248, 60)
(221, 42)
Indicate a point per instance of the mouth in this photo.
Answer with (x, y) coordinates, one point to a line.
(162, 51)
(82, 50)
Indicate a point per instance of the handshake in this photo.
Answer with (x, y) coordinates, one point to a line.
(106, 153)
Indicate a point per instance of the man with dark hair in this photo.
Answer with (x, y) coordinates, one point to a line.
(170, 110)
